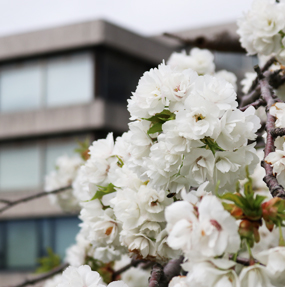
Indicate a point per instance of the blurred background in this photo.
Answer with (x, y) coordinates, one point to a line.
(67, 68)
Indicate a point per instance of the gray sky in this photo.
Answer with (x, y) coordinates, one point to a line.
(148, 17)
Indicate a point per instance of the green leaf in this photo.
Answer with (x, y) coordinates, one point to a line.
(258, 200)
(237, 199)
(103, 190)
(211, 145)
(120, 162)
(48, 262)
(83, 148)
(156, 128)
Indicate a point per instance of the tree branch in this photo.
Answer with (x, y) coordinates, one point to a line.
(133, 263)
(42, 277)
(157, 278)
(266, 66)
(172, 269)
(266, 92)
(278, 132)
(10, 204)
(223, 42)
(258, 103)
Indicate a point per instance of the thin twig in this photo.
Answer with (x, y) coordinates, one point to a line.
(266, 92)
(10, 204)
(266, 66)
(5, 201)
(250, 97)
(243, 261)
(258, 103)
(42, 277)
(220, 42)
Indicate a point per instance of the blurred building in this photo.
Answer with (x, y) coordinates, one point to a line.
(57, 86)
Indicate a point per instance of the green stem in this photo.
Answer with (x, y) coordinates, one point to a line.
(281, 238)
(251, 258)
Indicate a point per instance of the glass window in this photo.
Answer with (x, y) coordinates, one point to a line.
(119, 76)
(47, 235)
(235, 62)
(20, 167)
(20, 87)
(69, 79)
(65, 230)
(22, 244)
(57, 149)
(2, 245)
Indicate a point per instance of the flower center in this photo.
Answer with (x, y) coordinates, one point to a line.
(216, 224)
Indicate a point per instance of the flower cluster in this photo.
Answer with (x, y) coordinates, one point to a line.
(188, 130)
(64, 175)
(170, 186)
(262, 29)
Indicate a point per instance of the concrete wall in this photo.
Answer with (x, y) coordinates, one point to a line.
(82, 35)
(98, 114)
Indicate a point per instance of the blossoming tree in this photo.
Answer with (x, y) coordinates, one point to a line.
(182, 190)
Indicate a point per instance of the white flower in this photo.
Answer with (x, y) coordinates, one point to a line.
(82, 276)
(217, 91)
(107, 254)
(64, 175)
(164, 251)
(102, 148)
(76, 254)
(175, 142)
(178, 281)
(117, 284)
(228, 76)
(247, 82)
(199, 60)
(259, 186)
(274, 260)
(162, 164)
(217, 229)
(139, 244)
(136, 277)
(277, 160)
(267, 240)
(199, 119)
(152, 202)
(127, 208)
(198, 166)
(213, 273)
(278, 111)
(281, 55)
(230, 166)
(181, 219)
(80, 186)
(147, 100)
(140, 144)
(259, 28)
(254, 275)
(151, 229)
(177, 86)
(105, 230)
(237, 128)
(54, 281)
(91, 211)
